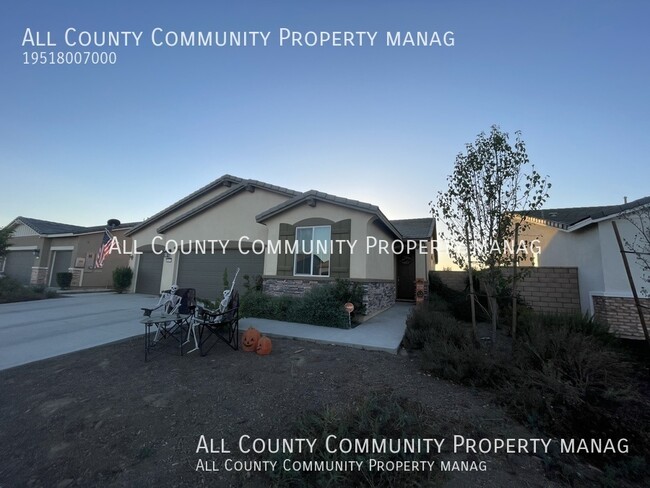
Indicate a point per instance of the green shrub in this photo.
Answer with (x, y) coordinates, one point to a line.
(376, 417)
(458, 302)
(318, 306)
(122, 277)
(349, 291)
(63, 280)
(257, 284)
(449, 350)
(12, 291)
(566, 377)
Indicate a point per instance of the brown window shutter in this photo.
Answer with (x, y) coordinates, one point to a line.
(285, 260)
(340, 261)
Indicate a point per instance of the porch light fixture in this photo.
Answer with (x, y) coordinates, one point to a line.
(36, 253)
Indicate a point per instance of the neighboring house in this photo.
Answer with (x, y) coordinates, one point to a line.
(583, 237)
(255, 226)
(40, 249)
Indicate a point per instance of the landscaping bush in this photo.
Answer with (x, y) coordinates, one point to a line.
(449, 350)
(122, 277)
(376, 417)
(64, 280)
(349, 291)
(569, 381)
(318, 306)
(12, 291)
(458, 301)
(566, 377)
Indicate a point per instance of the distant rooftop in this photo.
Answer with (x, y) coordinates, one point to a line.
(567, 217)
(47, 227)
(415, 228)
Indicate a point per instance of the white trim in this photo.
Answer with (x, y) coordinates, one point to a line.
(22, 248)
(62, 248)
(295, 256)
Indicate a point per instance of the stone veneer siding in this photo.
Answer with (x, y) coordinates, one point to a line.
(377, 295)
(39, 276)
(621, 315)
(545, 289)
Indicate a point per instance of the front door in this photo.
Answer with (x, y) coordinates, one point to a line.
(406, 276)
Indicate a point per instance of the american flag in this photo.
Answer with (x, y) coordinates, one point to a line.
(103, 249)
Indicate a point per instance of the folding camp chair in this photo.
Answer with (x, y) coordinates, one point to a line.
(224, 325)
(171, 316)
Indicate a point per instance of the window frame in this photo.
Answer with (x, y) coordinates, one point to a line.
(311, 263)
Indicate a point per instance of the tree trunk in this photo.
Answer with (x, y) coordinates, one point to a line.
(513, 331)
(471, 287)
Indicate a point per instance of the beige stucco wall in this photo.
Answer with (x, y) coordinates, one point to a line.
(89, 244)
(379, 266)
(144, 235)
(363, 265)
(229, 220)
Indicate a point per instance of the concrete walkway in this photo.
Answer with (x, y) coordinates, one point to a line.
(383, 332)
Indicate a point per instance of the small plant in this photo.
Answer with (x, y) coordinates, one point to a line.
(122, 277)
(63, 280)
(380, 416)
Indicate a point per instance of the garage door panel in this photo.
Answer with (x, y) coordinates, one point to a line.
(205, 271)
(18, 265)
(149, 273)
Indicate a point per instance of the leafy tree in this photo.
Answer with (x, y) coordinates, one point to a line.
(640, 243)
(5, 234)
(490, 193)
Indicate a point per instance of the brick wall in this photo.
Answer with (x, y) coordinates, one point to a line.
(544, 289)
(621, 315)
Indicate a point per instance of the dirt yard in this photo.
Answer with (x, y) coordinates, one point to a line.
(103, 417)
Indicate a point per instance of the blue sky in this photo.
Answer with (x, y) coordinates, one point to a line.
(82, 144)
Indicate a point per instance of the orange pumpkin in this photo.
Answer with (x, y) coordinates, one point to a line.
(264, 346)
(250, 339)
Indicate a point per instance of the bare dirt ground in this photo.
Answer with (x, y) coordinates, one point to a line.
(103, 417)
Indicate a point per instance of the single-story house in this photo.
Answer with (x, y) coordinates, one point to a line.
(583, 237)
(293, 240)
(39, 249)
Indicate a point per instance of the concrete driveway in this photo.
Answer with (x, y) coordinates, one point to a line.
(30, 331)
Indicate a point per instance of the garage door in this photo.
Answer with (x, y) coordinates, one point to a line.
(149, 273)
(205, 271)
(19, 264)
(61, 263)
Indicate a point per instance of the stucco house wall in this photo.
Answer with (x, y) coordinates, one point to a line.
(585, 238)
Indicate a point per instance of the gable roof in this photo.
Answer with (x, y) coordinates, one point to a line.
(248, 185)
(415, 228)
(49, 228)
(100, 228)
(46, 227)
(227, 180)
(577, 217)
(312, 196)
